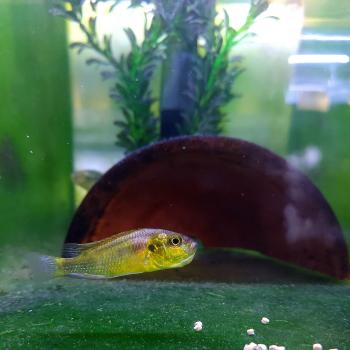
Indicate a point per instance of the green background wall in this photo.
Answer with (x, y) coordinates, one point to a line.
(35, 125)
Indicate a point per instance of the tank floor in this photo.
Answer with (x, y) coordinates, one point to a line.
(143, 314)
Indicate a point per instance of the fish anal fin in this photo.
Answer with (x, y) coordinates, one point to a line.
(98, 277)
(88, 276)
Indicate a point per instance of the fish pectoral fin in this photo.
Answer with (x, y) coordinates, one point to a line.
(71, 250)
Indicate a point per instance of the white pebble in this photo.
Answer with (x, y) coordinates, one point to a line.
(317, 346)
(261, 347)
(250, 331)
(251, 346)
(276, 347)
(198, 326)
(265, 320)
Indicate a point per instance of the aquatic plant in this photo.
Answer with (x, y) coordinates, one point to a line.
(209, 82)
(132, 73)
(214, 70)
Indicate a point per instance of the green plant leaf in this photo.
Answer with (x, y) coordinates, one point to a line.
(132, 38)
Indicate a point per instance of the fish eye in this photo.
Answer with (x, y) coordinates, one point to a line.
(175, 241)
(152, 248)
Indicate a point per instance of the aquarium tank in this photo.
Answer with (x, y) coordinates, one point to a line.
(175, 174)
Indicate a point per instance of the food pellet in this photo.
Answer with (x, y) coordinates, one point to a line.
(317, 346)
(250, 346)
(250, 331)
(265, 320)
(198, 326)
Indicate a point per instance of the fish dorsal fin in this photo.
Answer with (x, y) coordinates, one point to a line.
(71, 250)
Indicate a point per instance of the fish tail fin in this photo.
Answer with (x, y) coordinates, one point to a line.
(44, 267)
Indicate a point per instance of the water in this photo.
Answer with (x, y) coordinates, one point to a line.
(275, 235)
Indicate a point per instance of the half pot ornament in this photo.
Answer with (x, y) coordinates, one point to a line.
(225, 192)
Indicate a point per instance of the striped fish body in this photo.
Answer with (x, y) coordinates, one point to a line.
(116, 256)
(131, 252)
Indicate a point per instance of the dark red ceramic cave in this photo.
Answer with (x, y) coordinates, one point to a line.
(226, 192)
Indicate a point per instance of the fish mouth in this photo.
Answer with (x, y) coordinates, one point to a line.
(192, 248)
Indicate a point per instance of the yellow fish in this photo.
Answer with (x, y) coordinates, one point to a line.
(126, 253)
